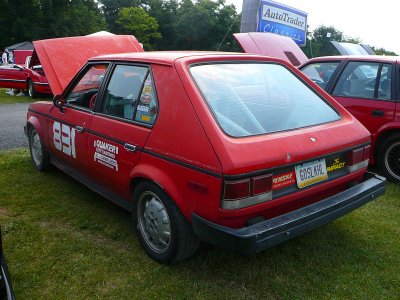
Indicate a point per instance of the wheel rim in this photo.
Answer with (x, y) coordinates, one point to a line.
(392, 160)
(153, 222)
(36, 147)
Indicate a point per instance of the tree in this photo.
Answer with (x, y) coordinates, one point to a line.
(205, 24)
(111, 8)
(136, 21)
(382, 51)
(24, 20)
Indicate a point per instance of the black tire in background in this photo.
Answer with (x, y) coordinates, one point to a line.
(31, 89)
(389, 158)
(6, 289)
(39, 156)
(163, 231)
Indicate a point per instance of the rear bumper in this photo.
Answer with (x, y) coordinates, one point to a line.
(268, 233)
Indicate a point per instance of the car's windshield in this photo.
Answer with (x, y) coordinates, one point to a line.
(257, 98)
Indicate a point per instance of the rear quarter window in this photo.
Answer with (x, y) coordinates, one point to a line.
(258, 98)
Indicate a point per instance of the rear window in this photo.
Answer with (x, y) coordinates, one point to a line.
(257, 98)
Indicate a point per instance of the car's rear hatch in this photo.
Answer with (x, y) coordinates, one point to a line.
(281, 144)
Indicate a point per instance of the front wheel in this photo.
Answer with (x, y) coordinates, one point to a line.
(389, 158)
(31, 89)
(39, 156)
(162, 230)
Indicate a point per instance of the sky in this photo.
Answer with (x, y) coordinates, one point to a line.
(374, 22)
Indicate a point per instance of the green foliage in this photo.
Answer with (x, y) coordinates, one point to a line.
(183, 25)
(63, 241)
(136, 21)
(23, 20)
(382, 51)
(110, 10)
(319, 43)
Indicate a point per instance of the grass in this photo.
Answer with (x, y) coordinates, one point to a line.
(63, 241)
(7, 99)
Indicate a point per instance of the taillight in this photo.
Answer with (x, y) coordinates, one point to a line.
(247, 192)
(358, 159)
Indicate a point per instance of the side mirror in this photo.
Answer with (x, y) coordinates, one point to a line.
(59, 102)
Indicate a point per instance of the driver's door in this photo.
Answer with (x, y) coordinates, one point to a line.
(68, 126)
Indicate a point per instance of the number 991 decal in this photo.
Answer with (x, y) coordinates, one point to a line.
(64, 138)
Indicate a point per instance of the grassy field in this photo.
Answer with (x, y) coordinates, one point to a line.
(7, 99)
(63, 241)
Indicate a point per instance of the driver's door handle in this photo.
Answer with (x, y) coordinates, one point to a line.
(79, 128)
(130, 147)
(378, 113)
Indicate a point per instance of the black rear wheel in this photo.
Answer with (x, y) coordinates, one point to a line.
(389, 158)
(162, 230)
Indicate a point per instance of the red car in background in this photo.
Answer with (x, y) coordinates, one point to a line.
(240, 151)
(32, 79)
(368, 86)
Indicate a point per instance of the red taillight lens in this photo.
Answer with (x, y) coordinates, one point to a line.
(247, 192)
(237, 189)
(366, 152)
(262, 184)
(358, 158)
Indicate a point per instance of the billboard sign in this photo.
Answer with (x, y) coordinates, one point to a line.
(283, 20)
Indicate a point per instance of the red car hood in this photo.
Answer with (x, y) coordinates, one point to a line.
(270, 44)
(62, 58)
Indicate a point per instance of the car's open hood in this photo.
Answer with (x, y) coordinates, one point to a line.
(62, 58)
(270, 44)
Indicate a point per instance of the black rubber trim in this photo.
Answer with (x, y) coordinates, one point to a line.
(268, 233)
(183, 164)
(12, 80)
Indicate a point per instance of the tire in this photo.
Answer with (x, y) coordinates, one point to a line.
(161, 228)
(39, 156)
(389, 158)
(31, 89)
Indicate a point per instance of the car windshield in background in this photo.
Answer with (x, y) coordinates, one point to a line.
(257, 98)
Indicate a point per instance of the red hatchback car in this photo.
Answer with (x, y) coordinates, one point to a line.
(31, 79)
(368, 86)
(241, 151)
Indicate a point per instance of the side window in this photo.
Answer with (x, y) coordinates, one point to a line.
(320, 73)
(385, 83)
(359, 80)
(130, 94)
(85, 91)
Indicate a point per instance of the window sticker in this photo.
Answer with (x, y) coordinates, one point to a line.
(147, 109)
(106, 154)
(64, 138)
(143, 108)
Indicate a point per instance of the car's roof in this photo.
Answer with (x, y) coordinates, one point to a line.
(167, 57)
(380, 58)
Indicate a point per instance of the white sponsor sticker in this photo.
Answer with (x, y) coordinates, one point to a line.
(106, 154)
(143, 108)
